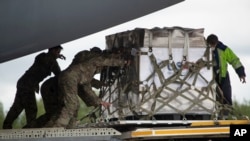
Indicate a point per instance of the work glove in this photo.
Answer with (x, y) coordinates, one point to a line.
(62, 57)
(243, 79)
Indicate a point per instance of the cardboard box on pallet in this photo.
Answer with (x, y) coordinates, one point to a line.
(170, 74)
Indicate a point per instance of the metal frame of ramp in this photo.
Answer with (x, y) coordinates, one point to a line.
(60, 134)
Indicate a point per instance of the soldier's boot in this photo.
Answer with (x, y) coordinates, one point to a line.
(7, 126)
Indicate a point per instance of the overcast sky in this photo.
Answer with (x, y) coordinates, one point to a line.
(229, 19)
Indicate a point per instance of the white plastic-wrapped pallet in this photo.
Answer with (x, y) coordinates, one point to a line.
(170, 73)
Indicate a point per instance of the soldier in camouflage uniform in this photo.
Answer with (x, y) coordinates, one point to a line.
(80, 73)
(28, 84)
(53, 101)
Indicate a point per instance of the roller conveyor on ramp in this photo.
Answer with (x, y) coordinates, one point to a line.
(129, 131)
(59, 134)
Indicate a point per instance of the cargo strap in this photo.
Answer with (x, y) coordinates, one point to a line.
(175, 78)
(194, 70)
(154, 96)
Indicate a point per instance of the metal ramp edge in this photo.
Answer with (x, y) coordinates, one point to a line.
(58, 134)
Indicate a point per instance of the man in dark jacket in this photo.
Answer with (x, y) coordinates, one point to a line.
(223, 56)
(28, 84)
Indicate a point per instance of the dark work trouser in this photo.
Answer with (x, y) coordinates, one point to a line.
(24, 100)
(225, 86)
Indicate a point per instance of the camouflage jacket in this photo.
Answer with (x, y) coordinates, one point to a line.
(81, 73)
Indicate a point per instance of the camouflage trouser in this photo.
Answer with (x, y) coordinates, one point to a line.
(67, 116)
(62, 107)
(57, 115)
(63, 119)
